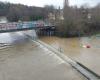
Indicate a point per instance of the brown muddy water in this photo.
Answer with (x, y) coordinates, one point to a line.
(25, 60)
(75, 48)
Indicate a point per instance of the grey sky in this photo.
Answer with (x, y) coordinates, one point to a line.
(41, 3)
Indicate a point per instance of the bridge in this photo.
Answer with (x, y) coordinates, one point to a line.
(22, 26)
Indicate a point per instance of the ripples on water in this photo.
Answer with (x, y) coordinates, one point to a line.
(12, 45)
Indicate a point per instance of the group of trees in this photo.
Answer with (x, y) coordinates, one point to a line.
(15, 12)
(79, 21)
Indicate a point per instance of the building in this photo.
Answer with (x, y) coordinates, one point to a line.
(58, 14)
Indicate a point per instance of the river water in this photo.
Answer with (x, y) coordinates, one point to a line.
(76, 49)
(25, 60)
(71, 47)
(12, 38)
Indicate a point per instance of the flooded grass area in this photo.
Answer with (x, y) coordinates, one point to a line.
(74, 48)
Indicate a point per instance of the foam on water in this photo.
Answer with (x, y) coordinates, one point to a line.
(11, 38)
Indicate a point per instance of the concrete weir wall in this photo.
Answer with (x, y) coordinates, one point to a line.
(31, 33)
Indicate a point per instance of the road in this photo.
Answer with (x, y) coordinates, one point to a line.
(25, 60)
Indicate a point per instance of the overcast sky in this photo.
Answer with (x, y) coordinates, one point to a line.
(57, 3)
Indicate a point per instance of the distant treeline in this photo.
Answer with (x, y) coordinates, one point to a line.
(15, 12)
(79, 21)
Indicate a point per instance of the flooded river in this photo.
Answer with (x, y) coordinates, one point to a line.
(25, 60)
(76, 49)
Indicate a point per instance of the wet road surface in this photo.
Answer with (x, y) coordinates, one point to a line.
(74, 48)
(25, 60)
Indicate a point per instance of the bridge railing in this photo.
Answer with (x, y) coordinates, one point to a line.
(4, 27)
